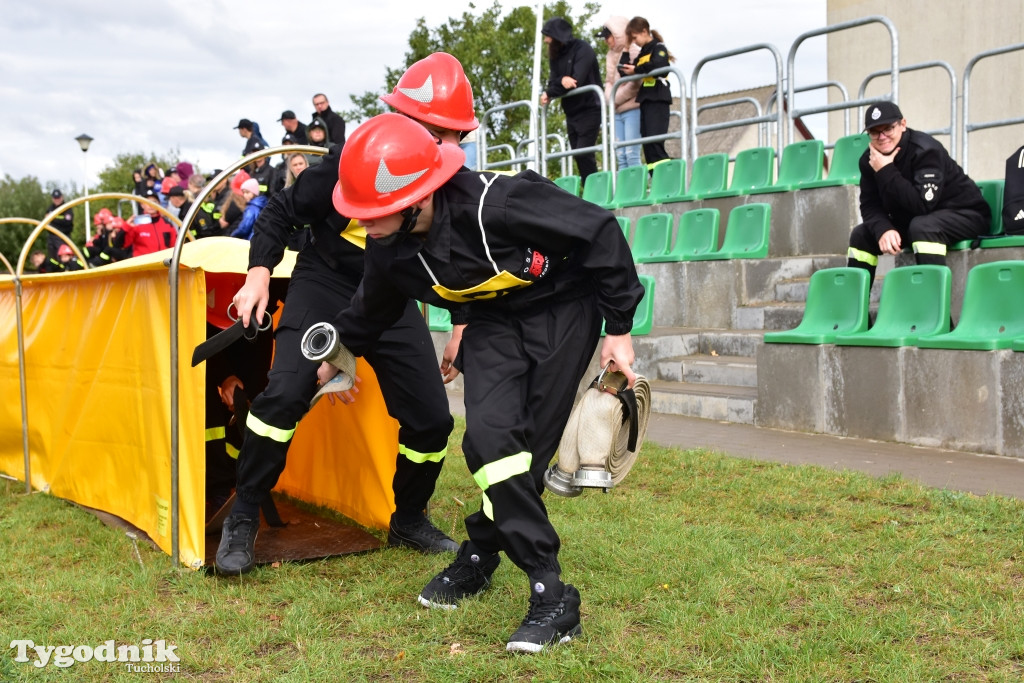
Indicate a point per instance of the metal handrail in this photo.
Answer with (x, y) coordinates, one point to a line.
(602, 148)
(761, 132)
(951, 130)
(696, 129)
(482, 138)
(969, 127)
(819, 86)
(681, 113)
(795, 113)
(173, 264)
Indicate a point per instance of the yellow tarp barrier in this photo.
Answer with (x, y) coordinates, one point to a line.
(97, 356)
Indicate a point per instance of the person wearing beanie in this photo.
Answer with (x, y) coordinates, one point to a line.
(254, 203)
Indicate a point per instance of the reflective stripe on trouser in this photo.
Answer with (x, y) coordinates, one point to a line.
(403, 360)
(521, 373)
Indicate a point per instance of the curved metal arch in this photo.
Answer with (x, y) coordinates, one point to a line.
(15, 220)
(173, 263)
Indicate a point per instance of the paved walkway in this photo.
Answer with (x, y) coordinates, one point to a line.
(936, 467)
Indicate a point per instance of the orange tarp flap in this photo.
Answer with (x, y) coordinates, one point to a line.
(97, 357)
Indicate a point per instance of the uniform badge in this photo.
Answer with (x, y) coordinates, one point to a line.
(535, 264)
(876, 114)
(928, 191)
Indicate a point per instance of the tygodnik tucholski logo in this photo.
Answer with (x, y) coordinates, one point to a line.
(150, 656)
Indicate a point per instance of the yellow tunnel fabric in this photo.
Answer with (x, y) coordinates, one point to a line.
(97, 345)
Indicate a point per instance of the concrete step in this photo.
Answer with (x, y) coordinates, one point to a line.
(707, 401)
(706, 369)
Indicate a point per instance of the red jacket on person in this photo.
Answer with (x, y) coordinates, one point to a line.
(148, 237)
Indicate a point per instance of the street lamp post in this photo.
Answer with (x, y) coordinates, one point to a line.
(84, 141)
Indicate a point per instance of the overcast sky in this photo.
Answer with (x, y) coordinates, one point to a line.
(159, 76)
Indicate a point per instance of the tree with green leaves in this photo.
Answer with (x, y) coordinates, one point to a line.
(496, 50)
(23, 198)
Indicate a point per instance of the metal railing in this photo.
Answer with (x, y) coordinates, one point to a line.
(967, 126)
(602, 147)
(778, 119)
(773, 101)
(950, 130)
(762, 128)
(482, 139)
(795, 113)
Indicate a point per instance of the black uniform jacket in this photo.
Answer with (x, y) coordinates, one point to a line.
(513, 242)
(653, 55)
(307, 203)
(922, 178)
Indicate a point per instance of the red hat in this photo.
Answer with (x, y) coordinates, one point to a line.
(65, 250)
(435, 90)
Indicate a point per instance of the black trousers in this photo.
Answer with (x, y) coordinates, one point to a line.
(928, 235)
(407, 371)
(521, 370)
(582, 128)
(654, 121)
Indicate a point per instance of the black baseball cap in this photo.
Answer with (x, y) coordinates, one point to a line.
(289, 139)
(881, 114)
(56, 193)
(244, 123)
(287, 114)
(603, 33)
(176, 191)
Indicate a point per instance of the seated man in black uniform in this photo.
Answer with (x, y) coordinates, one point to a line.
(912, 194)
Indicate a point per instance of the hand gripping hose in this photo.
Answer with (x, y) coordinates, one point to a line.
(320, 343)
(603, 436)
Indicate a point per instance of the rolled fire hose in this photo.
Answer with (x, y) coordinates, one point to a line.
(603, 436)
(320, 343)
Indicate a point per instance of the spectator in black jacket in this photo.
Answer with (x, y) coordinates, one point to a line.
(293, 127)
(573, 65)
(912, 194)
(335, 124)
(63, 222)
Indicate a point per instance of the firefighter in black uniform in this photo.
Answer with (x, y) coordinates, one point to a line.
(537, 269)
(327, 272)
(63, 222)
(912, 194)
(655, 96)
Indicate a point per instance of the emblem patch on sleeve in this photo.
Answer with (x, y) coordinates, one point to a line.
(535, 264)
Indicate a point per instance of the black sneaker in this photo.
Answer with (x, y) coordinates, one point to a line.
(236, 553)
(421, 535)
(551, 619)
(469, 574)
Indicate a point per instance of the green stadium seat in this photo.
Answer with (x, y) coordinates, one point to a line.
(668, 182)
(624, 224)
(439, 319)
(652, 237)
(696, 236)
(802, 162)
(569, 183)
(992, 316)
(1018, 344)
(598, 189)
(914, 304)
(643, 319)
(992, 191)
(746, 234)
(709, 175)
(631, 187)
(837, 303)
(844, 168)
(754, 168)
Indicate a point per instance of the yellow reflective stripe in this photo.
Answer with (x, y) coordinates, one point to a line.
(650, 166)
(232, 451)
(500, 470)
(487, 508)
(261, 428)
(214, 433)
(937, 248)
(862, 256)
(421, 458)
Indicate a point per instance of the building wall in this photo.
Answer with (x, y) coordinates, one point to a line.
(937, 30)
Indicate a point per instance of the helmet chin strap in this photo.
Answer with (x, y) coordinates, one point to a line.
(409, 216)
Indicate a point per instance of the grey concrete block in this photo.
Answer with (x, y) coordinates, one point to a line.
(870, 404)
(953, 399)
(1011, 379)
(730, 342)
(791, 387)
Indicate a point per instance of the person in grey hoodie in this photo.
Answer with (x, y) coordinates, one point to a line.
(627, 109)
(573, 65)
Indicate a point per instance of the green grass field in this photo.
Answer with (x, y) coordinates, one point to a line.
(699, 567)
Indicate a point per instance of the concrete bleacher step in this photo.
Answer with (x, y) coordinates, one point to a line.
(708, 369)
(707, 401)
